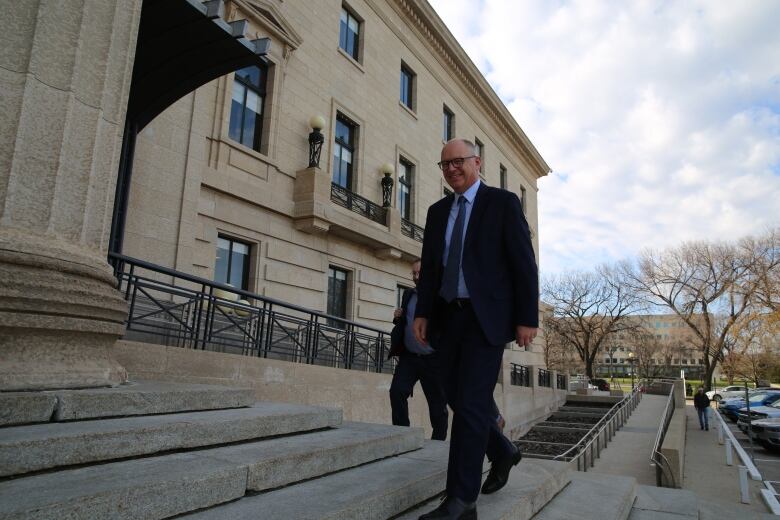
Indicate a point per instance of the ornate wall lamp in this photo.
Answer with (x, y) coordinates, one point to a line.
(387, 185)
(317, 123)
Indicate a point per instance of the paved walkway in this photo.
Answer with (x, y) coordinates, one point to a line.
(706, 473)
(629, 451)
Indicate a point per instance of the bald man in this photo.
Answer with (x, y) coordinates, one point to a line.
(478, 290)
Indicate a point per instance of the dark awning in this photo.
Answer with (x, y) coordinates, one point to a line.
(183, 44)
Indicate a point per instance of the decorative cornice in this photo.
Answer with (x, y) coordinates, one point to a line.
(271, 19)
(421, 16)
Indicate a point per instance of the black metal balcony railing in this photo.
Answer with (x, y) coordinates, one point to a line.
(545, 378)
(354, 202)
(412, 230)
(560, 381)
(520, 375)
(176, 309)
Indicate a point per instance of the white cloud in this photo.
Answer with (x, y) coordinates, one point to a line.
(661, 120)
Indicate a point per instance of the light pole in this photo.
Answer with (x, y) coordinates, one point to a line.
(631, 362)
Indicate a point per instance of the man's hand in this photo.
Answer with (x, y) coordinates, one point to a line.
(397, 314)
(420, 328)
(525, 335)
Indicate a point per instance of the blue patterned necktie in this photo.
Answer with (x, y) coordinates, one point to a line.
(449, 282)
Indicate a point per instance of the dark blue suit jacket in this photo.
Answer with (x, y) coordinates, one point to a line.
(499, 266)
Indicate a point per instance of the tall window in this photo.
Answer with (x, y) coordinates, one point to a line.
(232, 265)
(405, 179)
(349, 33)
(399, 295)
(407, 87)
(344, 152)
(481, 153)
(337, 295)
(523, 200)
(448, 120)
(502, 176)
(246, 109)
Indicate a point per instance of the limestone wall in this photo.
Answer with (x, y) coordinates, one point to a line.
(363, 396)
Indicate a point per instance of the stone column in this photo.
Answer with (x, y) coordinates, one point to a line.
(65, 70)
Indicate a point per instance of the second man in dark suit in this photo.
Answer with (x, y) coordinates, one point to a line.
(416, 362)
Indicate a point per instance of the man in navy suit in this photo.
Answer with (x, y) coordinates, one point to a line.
(478, 290)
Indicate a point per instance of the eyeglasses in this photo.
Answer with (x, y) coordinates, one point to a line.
(457, 162)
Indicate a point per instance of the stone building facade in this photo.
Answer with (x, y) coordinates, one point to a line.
(220, 180)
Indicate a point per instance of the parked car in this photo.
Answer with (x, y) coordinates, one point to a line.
(601, 384)
(767, 431)
(728, 392)
(736, 409)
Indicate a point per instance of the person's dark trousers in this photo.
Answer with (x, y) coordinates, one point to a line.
(702, 412)
(472, 366)
(428, 371)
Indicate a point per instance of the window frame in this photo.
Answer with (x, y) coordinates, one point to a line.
(339, 145)
(448, 124)
(502, 177)
(246, 262)
(356, 53)
(524, 199)
(408, 184)
(481, 152)
(330, 296)
(260, 91)
(411, 102)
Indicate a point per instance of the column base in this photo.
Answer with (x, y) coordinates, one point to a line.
(60, 315)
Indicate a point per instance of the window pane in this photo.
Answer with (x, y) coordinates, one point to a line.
(236, 111)
(354, 25)
(223, 258)
(238, 269)
(248, 130)
(337, 295)
(343, 32)
(254, 102)
(343, 132)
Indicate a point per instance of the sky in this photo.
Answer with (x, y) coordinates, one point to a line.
(660, 120)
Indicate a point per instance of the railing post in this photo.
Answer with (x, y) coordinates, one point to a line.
(720, 431)
(744, 494)
(729, 453)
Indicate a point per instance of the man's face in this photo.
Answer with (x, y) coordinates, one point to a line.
(416, 272)
(460, 179)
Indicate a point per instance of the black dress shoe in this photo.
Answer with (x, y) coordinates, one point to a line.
(499, 472)
(452, 508)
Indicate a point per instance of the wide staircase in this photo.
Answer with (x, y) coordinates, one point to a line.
(150, 450)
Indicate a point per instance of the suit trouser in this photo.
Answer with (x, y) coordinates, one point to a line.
(428, 371)
(472, 366)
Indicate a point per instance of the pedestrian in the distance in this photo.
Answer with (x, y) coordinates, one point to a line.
(702, 404)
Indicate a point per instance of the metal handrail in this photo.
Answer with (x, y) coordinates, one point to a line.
(544, 379)
(519, 375)
(609, 424)
(189, 311)
(744, 457)
(360, 205)
(658, 459)
(412, 230)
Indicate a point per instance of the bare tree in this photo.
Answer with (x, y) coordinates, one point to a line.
(588, 308)
(706, 285)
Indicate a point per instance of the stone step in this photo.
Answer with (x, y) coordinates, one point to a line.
(147, 398)
(532, 484)
(592, 496)
(159, 487)
(130, 399)
(41, 446)
(665, 503)
(371, 492)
